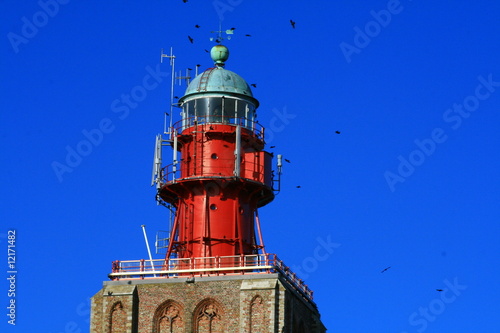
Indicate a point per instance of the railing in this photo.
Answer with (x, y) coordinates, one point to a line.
(168, 174)
(256, 128)
(207, 266)
(225, 169)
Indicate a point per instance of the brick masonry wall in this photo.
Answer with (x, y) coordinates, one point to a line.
(255, 305)
(114, 309)
(96, 313)
(189, 295)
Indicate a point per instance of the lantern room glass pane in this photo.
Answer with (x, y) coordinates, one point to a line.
(229, 107)
(201, 109)
(222, 109)
(214, 110)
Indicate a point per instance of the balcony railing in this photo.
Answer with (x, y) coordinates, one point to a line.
(207, 266)
(256, 128)
(168, 173)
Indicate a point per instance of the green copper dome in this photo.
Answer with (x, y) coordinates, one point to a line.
(219, 80)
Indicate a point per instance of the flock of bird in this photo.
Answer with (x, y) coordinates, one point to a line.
(191, 40)
(197, 26)
(292, 23)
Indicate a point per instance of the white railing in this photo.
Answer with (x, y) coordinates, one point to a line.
(207, 266)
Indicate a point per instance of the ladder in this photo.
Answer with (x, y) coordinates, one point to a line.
(202, 85)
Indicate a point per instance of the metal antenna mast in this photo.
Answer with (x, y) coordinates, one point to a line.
(187, 77)
(172, 63)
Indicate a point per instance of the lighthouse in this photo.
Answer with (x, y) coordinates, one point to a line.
(216, 275)
(221, 174)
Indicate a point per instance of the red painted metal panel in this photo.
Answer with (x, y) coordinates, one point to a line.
(257, 167)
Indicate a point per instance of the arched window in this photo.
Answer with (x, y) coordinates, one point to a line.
(117, 318)
(257, 316)
(168, 318)
(208, 317)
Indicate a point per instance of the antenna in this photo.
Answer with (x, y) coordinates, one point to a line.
(187, 77)
(172, 63)
(280, 165)
(219, 33)
(157, 174)
(179, 77)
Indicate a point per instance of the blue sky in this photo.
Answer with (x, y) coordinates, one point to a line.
(410, 183)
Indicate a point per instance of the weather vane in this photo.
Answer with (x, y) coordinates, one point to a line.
(219, 33)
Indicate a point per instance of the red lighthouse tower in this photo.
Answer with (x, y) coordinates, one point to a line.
(216, 275)
(222, 174)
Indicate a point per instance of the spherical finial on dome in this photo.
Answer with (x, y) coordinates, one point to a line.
(219, 54)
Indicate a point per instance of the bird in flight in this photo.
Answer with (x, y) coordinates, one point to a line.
(247, 35)
(439, 290)
(254, 85)
(298, 186)
(207, 51)
(288, 161)
(184, 1)
(292, 22)
(191, 39)
(385, 269)
(272, 147)
(197, 26)
(337, 132)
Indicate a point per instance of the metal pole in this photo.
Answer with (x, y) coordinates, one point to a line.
(172, 62)
(261, 240)
(174, 163)
(237, 152)
(280, 165)
(149, 250)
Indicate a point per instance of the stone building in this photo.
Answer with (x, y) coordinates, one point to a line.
(265, 302)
